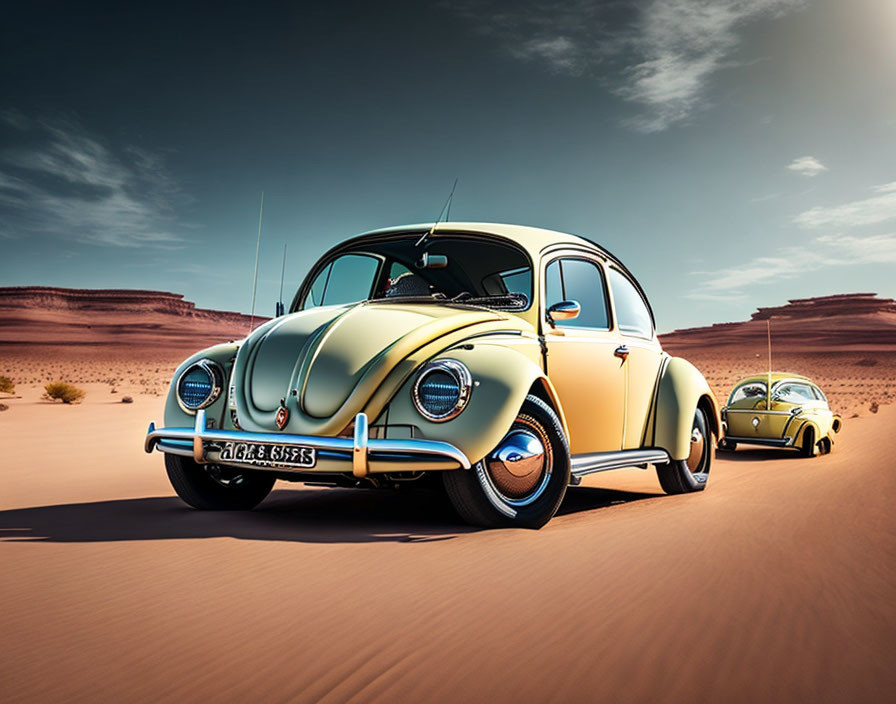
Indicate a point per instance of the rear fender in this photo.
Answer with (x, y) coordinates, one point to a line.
(681, 389)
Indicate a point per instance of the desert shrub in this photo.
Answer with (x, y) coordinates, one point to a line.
(4, 407)
(127, 399)
(7, 385)
(63, 391)
(874, 408)
(866, 362)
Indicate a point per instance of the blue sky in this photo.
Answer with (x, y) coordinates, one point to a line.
(733, 153)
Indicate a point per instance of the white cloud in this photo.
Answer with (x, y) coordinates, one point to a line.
(68, 184)
(807, 166)
(869, 211)
(659, 54)
(560, 52)
(827, 251)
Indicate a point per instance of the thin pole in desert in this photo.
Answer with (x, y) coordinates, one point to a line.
(255, 276)
(768, 386)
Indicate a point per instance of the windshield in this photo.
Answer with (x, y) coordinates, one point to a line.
(466, 270)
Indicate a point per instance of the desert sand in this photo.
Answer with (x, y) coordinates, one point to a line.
(775, 584)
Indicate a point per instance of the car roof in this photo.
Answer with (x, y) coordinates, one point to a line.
(533, 239)
(776, 377)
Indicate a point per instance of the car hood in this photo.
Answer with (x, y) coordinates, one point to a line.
(326, 363)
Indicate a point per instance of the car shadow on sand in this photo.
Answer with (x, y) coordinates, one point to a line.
(760, 454)
(297, 515)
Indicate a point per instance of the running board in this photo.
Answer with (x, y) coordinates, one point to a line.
(602, 461)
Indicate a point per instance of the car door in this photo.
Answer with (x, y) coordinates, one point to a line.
(581, 361)
(641, 352)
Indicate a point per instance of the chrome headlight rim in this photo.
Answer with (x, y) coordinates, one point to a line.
(460, 373)
(215, 373)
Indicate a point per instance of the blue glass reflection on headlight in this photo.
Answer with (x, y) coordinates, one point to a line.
(439, 393)
(195, 387)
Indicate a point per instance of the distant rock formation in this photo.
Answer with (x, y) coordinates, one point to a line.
(112, 317)
(849, 320)
(133, 300)
(825, 306)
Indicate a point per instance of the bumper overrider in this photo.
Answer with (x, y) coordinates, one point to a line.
(360, 454)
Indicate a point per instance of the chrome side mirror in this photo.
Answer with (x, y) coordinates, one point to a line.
(563, 310)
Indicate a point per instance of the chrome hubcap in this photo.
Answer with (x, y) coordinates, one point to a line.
(516, 466)
(519, 469)
(225, 476)
(698, 447)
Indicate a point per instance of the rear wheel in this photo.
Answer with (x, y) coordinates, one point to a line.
(523, 481)
(685, 476)
(808, 447)
(215, 487)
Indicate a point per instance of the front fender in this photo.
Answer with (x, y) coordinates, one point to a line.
(681, 388)
(175, 416)
(502, 377)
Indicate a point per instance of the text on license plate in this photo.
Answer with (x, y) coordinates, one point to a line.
(268, 454)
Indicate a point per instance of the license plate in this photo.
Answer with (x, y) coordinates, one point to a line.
(268, 454)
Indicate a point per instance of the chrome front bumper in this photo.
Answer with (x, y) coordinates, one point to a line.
(360, 454)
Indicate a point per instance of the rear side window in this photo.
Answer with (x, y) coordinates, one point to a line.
(344, 280)
(632, 313)
(753, 390)
(582, 281)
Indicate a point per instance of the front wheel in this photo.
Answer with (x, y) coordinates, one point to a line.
(522, 482)
(214, 487)
(727, 445)
(685, 476)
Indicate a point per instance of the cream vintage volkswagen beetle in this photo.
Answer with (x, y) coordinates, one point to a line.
(510, 360)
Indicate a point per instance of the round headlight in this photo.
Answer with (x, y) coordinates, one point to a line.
(442, 389)
(199, 385)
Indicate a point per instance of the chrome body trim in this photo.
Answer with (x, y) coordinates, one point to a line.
(461, 375)
(786, 441)
(355, 451)
(756, 411)
(602, 461)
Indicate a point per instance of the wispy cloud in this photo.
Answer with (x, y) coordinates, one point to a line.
(682, 44)
(827, 251)
(869, 211)
(807, 166)
(61, 181)
(659, 55)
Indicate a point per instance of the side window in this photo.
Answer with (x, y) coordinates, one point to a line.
(578, 280)
(632, 313)
(794, 393)
(553, 284)
(344, 280)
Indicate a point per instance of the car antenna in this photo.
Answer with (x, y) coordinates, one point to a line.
(280, 309)
(768, 386)
(255, 276)
(445, 208)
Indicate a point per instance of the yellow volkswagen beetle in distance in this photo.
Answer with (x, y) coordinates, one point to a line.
(509, 360)
(779, 409)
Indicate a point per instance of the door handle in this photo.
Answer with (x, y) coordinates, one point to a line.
(621, 352)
